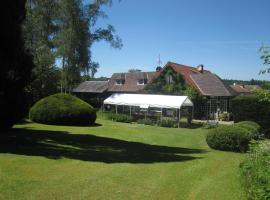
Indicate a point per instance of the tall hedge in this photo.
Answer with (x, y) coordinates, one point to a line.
(252, 108)
(62, 109)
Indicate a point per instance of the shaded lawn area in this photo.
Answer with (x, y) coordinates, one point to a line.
(114, 161)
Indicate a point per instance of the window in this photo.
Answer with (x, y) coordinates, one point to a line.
(119, 82)
(169, 79)
(142, 81)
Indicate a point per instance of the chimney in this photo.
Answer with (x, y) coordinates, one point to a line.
(200, 68)
(158, 69)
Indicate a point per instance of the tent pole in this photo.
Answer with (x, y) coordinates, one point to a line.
(179, 118)
(192, 112)
(130, 111)
(116, 109)
(161, 115)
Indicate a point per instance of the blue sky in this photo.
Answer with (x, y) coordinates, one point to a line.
(223, 35)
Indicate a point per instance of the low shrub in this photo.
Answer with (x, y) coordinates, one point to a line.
(255, 171)
(62, 109)
(229, 138)
(167, 122)
(146, 121)
(119, 117)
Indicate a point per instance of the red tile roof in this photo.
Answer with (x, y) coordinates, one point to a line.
(205, 82)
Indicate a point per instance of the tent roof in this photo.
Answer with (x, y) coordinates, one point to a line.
(143, 100)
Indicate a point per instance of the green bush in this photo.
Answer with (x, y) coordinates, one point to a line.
(252, 108)
(167, 122)
(62, 109)
(146, 121)
(119, 117)
(255, 171)
(252, 127)
(229, 138)
(250, 123)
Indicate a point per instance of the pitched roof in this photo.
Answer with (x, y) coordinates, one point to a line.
(130, 78)
(251, 88)
(185, 70)
(210, 85)
(207, 84)
(244, 89)
(239, 89)
(92, 87)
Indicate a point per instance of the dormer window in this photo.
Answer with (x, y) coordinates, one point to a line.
(141, 81)
(119, 82)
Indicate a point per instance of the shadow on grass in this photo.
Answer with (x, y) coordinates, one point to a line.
(58, 144)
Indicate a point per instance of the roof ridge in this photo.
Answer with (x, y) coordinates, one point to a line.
(180, 65)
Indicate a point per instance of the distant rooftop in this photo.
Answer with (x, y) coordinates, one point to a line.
(92, 87)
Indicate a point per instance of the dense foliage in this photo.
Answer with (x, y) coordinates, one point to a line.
(232, 138)
(118, 117)
(167, 122)
(252, 108)
(255, 172)
(38, 30)
(62, 33)
(16, 65)
(63, 109)
(265, 51)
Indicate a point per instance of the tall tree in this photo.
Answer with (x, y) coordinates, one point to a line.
(78, 32)
(16, 65)
(39, 31)
(64, 30)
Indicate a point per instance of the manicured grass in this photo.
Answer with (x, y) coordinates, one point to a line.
(115, 161)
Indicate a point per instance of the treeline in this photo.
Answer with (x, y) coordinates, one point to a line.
(59, 35)
(264, 84)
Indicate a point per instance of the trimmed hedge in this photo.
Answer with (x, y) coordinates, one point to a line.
(119, 117)
(255, 171)
(147, 122)
(252, 108)
(232, 138)
(63, 109)
(167, 122)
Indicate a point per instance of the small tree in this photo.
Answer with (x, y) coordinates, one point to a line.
(265, 51)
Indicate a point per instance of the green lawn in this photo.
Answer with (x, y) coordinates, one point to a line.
(115, 161)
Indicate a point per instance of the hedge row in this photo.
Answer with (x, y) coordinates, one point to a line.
(252, 108)
(165, 122)
(255, 171)
(234, 137)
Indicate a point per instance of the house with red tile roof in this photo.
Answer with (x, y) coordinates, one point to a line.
(215, 95)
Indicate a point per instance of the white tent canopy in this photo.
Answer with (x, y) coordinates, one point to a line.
(149, 100)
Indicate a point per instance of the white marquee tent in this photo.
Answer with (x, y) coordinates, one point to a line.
(145, 101)
(149, 100)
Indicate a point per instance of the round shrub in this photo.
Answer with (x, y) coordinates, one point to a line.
(63, 109)
(250, 123)
(229, 138)
(252, 127)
